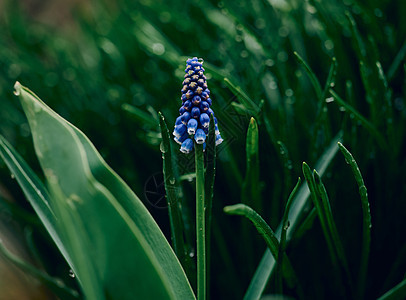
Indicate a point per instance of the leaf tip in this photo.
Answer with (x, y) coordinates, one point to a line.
(17, 88)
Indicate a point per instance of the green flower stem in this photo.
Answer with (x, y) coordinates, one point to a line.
(200, 223)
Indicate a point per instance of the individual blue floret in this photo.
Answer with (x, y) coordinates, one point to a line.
(204, 106)
(219, 139)
(195, 112)
(186, 146)
(181, 139)
(179, 130)
(192, 126)
(204, 120)
(200, 136)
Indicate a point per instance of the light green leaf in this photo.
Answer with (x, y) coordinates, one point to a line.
(115, 243)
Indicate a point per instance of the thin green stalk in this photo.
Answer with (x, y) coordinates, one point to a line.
(331, 224)
(268, 235)
(315, 82)
(366, 217)
(282, 243)
(208, 192)
(200, 223)
(320, 211)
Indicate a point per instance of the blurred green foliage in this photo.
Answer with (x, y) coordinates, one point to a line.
(110, 54)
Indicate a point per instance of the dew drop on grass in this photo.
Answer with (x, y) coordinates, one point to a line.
(172, 180)
(329, 99)
(71, 274)
(12, 176)
(192, 253)
(162, 147)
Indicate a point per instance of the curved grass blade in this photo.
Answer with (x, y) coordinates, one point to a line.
(142, 116)
(129, 247)
(171, 187)
(397, 292)
(282, 244)
(366, 219)
(268, 235)
(250, 105)
(320, 210)
(56, 285)
(250, 192)
(368, 125)
(321, 190)
(313, 78)
(267, 263)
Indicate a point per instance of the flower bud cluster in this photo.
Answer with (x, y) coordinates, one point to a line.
(194, 114)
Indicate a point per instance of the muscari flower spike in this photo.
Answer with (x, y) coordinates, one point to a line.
(194, 114)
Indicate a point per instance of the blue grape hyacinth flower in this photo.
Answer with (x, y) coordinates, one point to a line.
(194, 114)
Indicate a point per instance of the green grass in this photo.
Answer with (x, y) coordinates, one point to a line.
(310, 74)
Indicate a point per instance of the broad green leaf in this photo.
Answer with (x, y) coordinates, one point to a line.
(116, 237)
(267, 263)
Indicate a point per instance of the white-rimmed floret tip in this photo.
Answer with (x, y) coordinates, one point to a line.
(200, 136)
(192, 126)
(187, 146)
(219, 139)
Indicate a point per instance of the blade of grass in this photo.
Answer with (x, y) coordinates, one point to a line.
(368, 125)
(287, 167)
(315, 82)
(366, 218)
(200, 223)
(320, 210)
(335, 237)
(397, 292)
(267, 263)
(397, 61)
(250, 192)
(250, 105)
(306, 225)
(282, 244)
(142, 116)
(268, 235)
(171, 187)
